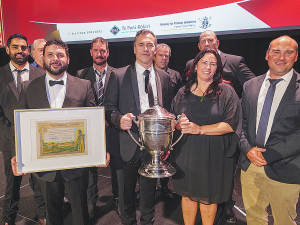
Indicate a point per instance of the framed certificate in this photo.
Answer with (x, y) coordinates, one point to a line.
(56, 139)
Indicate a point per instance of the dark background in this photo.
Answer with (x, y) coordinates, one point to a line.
(252, 46)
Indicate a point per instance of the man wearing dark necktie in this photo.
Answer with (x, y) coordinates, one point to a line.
(131, 90)
(11, 77)
(99, 74)
(269, 144)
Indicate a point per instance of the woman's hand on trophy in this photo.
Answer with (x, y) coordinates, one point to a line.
(188, 127)
(126, 121)
(182, 118)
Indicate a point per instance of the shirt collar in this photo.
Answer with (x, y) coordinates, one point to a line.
(140, 69)
(98, 72)
(13, 68)
(64, 78)
(287, 77)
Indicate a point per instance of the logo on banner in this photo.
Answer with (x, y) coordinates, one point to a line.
(115, 30)
(205, 22)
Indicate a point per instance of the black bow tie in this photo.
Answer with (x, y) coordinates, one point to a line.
(53, 82)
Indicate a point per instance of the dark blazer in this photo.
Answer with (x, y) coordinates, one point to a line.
(282, 147)
(89, 74)
(78, 94)
(176, 80)
(9, 100)
(111, 133)
(234, 70)
(122, 96)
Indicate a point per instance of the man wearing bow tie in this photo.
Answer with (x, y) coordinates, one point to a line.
(130, 91)
(58, 89)
(11, 77)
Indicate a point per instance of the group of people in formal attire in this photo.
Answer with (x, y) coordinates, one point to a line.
(226, 113)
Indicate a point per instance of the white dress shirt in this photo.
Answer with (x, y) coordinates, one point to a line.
(56, 93)
(279, 92)
(24, 74)
(144, 102)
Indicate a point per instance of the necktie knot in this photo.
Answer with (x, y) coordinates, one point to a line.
(273, 82)
(54, 82)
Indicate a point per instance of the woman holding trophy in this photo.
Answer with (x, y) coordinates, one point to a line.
(211, 121)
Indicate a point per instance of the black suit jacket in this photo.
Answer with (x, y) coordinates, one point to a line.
(176, 80)
(122, 96)
(282, 147)
(234, 70)
(9, 100)
(78, 94)
(111, 133)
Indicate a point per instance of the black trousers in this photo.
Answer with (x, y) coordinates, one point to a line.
(147, 196)
(92, 189)
(38, 197)
(12, 191)
(76, 190)
(114, 181)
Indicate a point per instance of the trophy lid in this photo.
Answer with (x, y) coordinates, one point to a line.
(157, 112)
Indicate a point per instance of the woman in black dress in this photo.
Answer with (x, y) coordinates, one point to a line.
(211, 122)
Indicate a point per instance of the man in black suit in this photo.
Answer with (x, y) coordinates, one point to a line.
(57, 89)
(10, 87)
(131, 91)
(99, 74)
(234, 67)
(161, 61)
(237, 72)
(270, 150)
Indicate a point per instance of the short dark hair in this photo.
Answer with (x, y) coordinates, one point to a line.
(144, 32)
(56, 41)
(19, 36)
(100, 39)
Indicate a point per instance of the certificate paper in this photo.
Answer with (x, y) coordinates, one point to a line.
(61, 139)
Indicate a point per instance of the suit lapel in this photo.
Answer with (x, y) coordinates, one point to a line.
(41, 88)
(290, 90)
(33, 72)
(107, 77)
(11, 82)
(70, 91)
(158, 88)
(135, 87)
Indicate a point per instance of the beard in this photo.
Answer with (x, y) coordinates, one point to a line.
(57, 71)
(100, 63)
(19, 61)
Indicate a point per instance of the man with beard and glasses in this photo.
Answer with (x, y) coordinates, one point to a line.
(11, 77)
(99, 74)
(58, 89)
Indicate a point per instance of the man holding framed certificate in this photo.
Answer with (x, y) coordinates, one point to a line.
(57, 89)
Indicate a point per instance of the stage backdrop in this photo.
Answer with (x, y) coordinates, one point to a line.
(80, 21)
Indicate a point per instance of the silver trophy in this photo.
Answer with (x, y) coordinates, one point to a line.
(156, 127)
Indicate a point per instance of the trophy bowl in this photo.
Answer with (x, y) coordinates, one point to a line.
(156, 127)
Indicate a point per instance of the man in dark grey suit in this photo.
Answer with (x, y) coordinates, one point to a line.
(237, 72)
(10, 87)
(131, 91)
(99, 74)
(270, 150)
(57, 89)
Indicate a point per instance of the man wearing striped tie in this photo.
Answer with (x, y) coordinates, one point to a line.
(99, 74)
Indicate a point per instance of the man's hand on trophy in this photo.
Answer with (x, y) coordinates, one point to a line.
(126, 121)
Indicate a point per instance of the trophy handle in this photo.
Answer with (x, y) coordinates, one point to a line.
(130, 134)
(177, 121)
